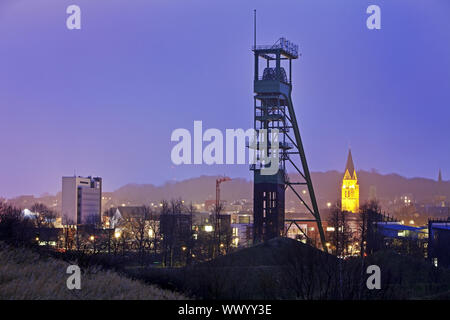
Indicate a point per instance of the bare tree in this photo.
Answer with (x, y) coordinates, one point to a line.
(155, 231)
(340, 240)
(369, 214)
(13, 227)
(190, 243)
(170, 229)
(216, 219)
(342, 235)
(44, 220)
(139, 227)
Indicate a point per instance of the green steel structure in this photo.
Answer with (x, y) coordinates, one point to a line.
(274, 115)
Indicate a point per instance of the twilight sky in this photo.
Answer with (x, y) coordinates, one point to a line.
(104, 100)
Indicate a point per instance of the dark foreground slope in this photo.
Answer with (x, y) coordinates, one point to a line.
(278, 269)
(264, 271)
(287, 269)
(275, 252)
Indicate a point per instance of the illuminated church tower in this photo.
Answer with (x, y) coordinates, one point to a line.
(350, 187)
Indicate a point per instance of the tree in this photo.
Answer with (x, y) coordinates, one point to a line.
(342, 234)
(222, 232)
(139, 228)
(13, 227)
(341, 239)
(172, 230)
(154, 231)
(44, 216)
(370, 213)
(217, 228)
(190, 243)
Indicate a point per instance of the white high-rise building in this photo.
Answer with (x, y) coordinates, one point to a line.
(81, 200)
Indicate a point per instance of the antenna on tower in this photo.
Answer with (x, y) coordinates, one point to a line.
(254, 28)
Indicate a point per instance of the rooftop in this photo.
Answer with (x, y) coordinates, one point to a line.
(286, 47)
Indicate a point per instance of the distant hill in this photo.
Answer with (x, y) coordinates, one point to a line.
(326, 185)
(387, 187)
(195, 189)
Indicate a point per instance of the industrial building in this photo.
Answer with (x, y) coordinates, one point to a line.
(439, 242)
(81, 201)
(396, 230)
(401, 238)
(278, 143)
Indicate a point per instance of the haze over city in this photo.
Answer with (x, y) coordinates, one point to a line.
(104, 101)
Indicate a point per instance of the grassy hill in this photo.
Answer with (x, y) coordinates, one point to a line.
(26, 275)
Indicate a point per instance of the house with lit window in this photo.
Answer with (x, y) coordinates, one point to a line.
(242, 229)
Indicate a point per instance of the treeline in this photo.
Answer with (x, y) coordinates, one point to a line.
(172, 235)
(17, 228)
(355, 233)
(360, 233)
(169, 236)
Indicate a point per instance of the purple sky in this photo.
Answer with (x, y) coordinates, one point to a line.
(104, 100)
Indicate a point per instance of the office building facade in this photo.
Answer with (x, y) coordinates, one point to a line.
(81, 200)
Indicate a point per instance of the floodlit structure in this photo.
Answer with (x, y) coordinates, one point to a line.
(350, 187)
(275, 122)
(81, 200)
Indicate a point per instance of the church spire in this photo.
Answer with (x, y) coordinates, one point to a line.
(350, 167)
(350, 187)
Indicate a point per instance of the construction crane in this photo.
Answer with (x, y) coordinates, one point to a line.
(218, 182)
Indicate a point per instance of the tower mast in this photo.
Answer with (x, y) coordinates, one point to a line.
(274, 113)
